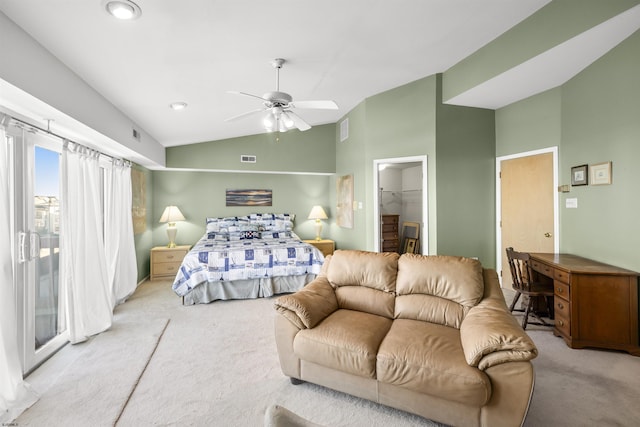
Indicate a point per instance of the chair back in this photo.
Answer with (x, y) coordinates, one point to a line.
(520, 269)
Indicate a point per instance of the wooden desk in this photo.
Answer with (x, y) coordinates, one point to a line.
(595, 304)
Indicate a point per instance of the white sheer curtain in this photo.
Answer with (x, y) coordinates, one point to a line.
(84, 274)
(118, 235)
(15, 394)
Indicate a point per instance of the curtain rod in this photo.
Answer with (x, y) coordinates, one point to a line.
(32, 127)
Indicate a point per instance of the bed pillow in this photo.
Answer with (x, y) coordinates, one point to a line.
(275, 234)
(218, 236)
(226, 224)
(272, 221)
(235, 236)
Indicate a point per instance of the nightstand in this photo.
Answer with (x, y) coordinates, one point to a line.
(165, 261)
(326, 246)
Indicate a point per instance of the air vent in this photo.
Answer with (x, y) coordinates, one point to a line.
(344, 130)
(136, 134)
(246, 158)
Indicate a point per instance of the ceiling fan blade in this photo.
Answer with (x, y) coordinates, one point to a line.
(235, 92)
(322, 105)
(243, 115)
(297, 121)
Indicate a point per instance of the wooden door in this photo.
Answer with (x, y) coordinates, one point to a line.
(527, 206)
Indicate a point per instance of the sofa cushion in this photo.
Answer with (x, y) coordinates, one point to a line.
(438, 289)
(361, 298)
(360, 268)
(428, 358)
(346, 340)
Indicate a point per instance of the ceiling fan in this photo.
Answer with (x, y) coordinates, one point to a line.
(277, 107)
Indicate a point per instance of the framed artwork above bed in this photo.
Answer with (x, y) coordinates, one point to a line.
(249, 197)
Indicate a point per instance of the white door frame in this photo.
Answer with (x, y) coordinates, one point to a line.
(424, 241)
(556, 213)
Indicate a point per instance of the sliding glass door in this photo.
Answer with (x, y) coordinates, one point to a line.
(35, 242)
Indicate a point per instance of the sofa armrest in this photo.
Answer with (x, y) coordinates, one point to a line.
(490, 336)
(307, 307)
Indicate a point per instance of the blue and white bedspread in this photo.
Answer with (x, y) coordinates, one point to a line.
(212, 260)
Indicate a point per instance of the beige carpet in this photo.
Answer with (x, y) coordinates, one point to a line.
(216, 365)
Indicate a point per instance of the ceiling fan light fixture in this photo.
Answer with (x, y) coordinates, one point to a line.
(124, 10)
(288, 122)
(269, 122)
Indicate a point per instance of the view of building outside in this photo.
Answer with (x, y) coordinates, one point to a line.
(47, 226)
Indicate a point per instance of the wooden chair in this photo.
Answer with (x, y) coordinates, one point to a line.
(524, 285)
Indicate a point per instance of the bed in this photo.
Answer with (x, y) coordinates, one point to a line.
(241, 257)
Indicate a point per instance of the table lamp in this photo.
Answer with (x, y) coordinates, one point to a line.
(318, 213)
(171, 214)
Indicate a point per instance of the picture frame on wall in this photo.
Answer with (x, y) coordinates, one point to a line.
(344, 210)
(580, 175)
(249, 197)
(600, 173)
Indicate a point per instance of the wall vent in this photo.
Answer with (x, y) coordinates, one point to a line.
(136, 134)
(247, 158)
(344, 130)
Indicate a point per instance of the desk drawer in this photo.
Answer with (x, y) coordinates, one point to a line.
(561, 308)
(542, 268)
(561, 290)
(563, 276)
(563, 324)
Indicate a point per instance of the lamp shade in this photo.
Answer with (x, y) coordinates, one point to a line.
(171, 214)
(317, 213)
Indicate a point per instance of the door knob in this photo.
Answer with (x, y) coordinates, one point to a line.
(547, 234)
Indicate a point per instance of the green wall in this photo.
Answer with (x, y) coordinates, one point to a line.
(144, 241)
(592, 118)
(309, 151)
(531, 124)
(202, 194)
(396, 123)
(465, 150)
(401, 123)
(296, 166)
(350, 160)
(411, 121)
(601, 122)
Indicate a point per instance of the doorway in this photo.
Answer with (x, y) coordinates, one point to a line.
(400, 189)
(526, 205)
(35, 238)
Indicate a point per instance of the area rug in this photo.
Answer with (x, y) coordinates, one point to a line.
(94, 387)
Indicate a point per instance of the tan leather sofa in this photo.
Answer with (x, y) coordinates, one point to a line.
(430, 335)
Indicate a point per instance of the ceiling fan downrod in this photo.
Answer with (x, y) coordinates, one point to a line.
(277, 64)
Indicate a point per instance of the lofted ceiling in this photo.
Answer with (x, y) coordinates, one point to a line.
(196, 51)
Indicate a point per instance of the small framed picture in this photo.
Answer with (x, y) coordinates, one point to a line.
(579, 175)
(600, 173)
(410, 246)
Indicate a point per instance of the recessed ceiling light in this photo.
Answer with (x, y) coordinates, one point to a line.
(178, 105)
(122, 9)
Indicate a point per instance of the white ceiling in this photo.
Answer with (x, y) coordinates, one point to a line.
(195, 51)
(340, 50)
